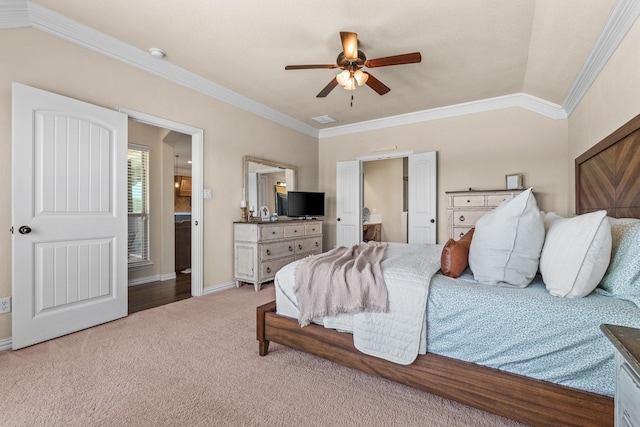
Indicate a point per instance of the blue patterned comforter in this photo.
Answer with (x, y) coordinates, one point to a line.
(527, 331)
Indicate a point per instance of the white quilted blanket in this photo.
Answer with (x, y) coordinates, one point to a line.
(400, 334)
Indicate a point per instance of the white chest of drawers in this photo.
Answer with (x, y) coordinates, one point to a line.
(464, 208)
(627, 399)
(263, 248)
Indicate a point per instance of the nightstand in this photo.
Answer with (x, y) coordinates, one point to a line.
(627, 399)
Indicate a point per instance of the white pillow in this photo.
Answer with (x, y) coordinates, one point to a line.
(576, 254)
(506, 245)
(548, 220)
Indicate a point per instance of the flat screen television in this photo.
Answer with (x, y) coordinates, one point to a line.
(305, 204)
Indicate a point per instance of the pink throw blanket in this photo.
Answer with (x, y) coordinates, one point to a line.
(343, 280)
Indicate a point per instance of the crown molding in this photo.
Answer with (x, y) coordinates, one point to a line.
(60, 26)
(622, 17)
(523, 100)
(23, 13)
(14, 14)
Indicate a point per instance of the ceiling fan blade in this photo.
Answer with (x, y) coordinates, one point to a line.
(406, 58)
(376, 84)
(307, 67)
(328, 88)
(349, 44)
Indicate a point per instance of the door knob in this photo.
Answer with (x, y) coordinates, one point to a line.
(432, 221)
(25, 229)
(337, 219)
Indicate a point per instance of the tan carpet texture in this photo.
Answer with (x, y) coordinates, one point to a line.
(195, 363)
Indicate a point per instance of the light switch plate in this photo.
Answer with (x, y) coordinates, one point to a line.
(206, 193)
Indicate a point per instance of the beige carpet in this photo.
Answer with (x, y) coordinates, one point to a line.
(195, 363)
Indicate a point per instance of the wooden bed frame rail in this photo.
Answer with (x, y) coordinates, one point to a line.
(530, 401)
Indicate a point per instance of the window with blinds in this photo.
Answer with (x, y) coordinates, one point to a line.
(138, 204)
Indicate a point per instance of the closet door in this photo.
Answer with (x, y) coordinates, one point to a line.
(348, 203)
(422, 198)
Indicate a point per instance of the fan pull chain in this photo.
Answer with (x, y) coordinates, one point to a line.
(351, 99)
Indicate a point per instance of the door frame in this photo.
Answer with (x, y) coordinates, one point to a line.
(395, 155)
(385, 156)
(197, 139)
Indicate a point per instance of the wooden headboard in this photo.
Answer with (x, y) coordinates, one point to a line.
(608, 174)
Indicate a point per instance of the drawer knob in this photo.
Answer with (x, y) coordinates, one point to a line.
(461, 234)
(468, 201)
(295, 231)
(317, 244)
(461, 218)
(268, 269)
(313, 229)
(268, 251)
(290, 248)
(273, 232)
(300, 247)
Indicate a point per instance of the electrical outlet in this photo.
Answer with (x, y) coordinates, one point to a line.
(5, 305)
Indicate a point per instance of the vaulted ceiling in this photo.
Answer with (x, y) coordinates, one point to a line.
(472, 50)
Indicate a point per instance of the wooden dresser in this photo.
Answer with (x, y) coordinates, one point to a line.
(464, 208)
(627, 399)
(263, 248)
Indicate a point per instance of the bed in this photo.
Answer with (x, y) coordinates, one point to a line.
(605, 180)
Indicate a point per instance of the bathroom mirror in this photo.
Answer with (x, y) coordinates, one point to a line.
(265, 181)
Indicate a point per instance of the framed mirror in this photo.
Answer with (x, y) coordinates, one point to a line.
(266, 183)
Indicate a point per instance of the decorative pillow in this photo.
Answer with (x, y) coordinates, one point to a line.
(622, 278)
(506, 245)
(455, 255)
(549, 218)
(576, 254)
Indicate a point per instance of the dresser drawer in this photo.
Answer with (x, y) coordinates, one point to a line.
(468, 200)
(495, 200)
(276, 250)
(312, 229)
(268, 269)
(246, 233)
(293, 231)
(301, 255)
(458, 232)
(270, 233)
(308, 245)
(467, 218)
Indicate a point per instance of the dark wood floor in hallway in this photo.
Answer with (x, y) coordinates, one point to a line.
(154, 294)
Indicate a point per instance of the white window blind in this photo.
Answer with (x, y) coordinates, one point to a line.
(138, 204)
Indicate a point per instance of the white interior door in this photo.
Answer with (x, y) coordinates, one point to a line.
(69, 200)
(422, 198)
(348, 203)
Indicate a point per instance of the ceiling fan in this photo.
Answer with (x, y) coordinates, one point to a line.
(351, 60)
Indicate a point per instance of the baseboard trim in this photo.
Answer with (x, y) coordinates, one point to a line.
(5, 344)
(218, 288)
(154, 278)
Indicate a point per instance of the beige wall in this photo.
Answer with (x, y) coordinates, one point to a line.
(476, 151)
(382, 188)
(612, 100)
(34, 58)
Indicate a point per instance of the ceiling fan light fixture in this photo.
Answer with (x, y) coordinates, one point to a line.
(361, 77)
(351, 84)
(343, 77)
